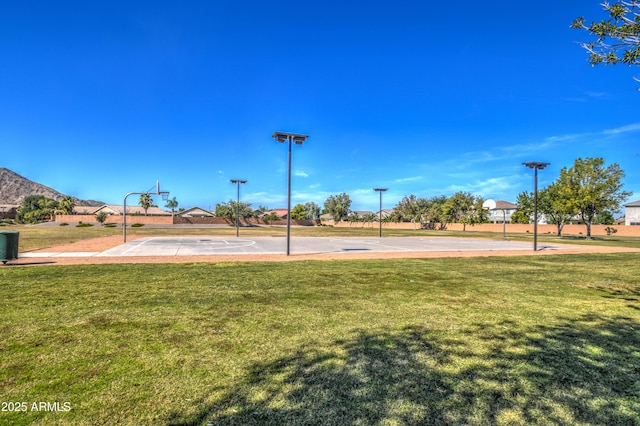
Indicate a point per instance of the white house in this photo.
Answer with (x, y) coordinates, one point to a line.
(632, 213)
(502, 212)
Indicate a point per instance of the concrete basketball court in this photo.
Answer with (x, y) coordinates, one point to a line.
(208, 246)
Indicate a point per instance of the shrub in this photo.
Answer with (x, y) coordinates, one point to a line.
(610, 230)
(137, 225)
(64, 224)
(110, 225)
(84, 225)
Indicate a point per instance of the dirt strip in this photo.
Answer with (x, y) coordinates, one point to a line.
(105, 243)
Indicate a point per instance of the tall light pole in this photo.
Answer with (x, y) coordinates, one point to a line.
(535, 165)
(238, 182)
(380, 190)
(282, 137)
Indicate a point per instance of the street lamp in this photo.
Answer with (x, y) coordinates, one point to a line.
(238, 182)
(535, 165)
(282, 137)
(380, 190)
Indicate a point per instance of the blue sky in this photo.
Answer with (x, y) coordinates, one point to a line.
(98, 99)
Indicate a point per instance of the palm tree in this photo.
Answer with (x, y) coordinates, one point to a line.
(173, 205)
(145, 202)
(66, 205)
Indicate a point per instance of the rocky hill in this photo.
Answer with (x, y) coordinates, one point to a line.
(14, 188)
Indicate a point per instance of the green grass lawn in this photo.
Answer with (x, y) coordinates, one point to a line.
(517, 340)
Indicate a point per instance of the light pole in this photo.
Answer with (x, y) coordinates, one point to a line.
(380, 190)
(535, 165)
(238, 182)
(282, 137)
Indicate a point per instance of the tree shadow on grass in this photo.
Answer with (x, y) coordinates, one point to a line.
(584, 370)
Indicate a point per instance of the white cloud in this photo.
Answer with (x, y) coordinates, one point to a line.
(623, 129)
(300, 173)
(409, 179)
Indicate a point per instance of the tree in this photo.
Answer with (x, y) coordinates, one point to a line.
(524, 213)
(591, 188)
(101, 217)
(426, 211)
(224, 211)
(298, 212)
(36, 208)
(338, 206)
(172, 204)
(271, 217)
(622, 28)
(230, 209)
(604, 218)
(145, 202)
(369, 218)
(464, 208)
(66, 205)
(555, 207)
(313, 211)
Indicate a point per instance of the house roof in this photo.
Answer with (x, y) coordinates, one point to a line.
(279, 212)
(117, 209)
(500, 204)
(84, 209)
(633, 204)
(195, 211)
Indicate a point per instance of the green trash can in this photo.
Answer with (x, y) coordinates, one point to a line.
(8, 245)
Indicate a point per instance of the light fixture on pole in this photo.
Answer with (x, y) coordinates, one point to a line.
(238, 182)
(535, 165)
(380, 190)
(283, 137)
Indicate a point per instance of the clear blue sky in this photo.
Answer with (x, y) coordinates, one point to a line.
(101, 98)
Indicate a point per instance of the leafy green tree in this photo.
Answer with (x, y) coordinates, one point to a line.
(426, 211)
(369, 218)
(463, 207)
(145, 202)
(524, 214)
(555, 207)
(101, 217)
(66, 205)
(617, 38)
(313, 211)
(411, 208)
(298, 212)
(338, 206)
(230, 209)
(604, 218)
(353, 218)
(36, 208)
(223, 210)
(273, 216)
(173, 205)
(433, 216)
(591, 188)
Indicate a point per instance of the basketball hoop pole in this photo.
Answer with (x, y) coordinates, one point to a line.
(124, 206)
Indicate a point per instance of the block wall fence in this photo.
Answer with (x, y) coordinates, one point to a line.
(168, 220)
(497, 227)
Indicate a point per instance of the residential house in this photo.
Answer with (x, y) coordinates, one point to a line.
(117, 209)
(195, 212)
(503, 212)
(8, 211)
(632, 213)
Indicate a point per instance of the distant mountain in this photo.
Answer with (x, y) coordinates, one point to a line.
(14, 188)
